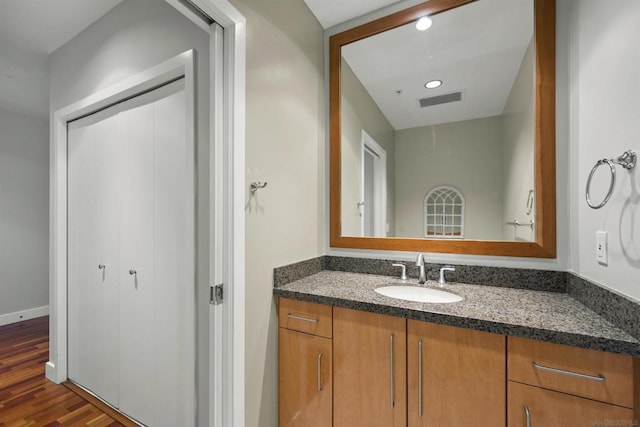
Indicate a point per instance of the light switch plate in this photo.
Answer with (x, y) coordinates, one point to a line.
(602, 247)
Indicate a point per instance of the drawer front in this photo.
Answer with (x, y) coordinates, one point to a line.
(305, 317)
(593, 374)
(533, 406)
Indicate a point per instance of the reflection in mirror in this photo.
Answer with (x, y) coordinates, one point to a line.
(451, 162)
(486, 89)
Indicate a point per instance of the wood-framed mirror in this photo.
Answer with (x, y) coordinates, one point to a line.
(488, 55)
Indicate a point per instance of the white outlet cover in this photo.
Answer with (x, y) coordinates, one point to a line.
(602, 248)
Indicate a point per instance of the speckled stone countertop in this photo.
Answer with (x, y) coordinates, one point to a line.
(547, 316)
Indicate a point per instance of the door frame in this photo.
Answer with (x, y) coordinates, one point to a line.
(380, 184)
(227, 188)
(228, 114)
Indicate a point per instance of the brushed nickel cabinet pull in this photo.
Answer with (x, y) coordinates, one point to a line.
(391, 396)
(599, 377)
(319, 372)
(304, 319)
(420, 378)
(527, 416)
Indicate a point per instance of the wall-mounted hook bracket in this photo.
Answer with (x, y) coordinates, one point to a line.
(627, 160)
(255, 186)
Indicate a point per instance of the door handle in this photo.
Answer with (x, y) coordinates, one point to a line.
(304, 319)
(599, 377)
(320, 371)
(420, 378)
(391, 396)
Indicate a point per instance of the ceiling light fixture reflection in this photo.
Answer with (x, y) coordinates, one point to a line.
(423, 23)
(432, 84)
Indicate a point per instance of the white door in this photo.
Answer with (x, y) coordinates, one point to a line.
(155, 321)
(137, 272)
(369, 191)
(93, 254)
(373, 222)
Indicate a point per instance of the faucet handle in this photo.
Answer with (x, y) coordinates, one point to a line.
(442, 280)
(403, 273)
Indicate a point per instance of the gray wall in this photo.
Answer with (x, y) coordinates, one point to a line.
(359, 111)
(466, 155)
(24, 212)
(285, 147)
(518, 133)
(605, 106)
(134, 36)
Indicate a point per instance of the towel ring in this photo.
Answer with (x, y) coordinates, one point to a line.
(611, 185)
(627, 160)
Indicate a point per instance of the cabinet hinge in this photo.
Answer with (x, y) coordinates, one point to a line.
(216, 295)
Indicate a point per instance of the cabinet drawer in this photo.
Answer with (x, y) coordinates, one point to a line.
(533, 406)
(597, 375)
(305, 317)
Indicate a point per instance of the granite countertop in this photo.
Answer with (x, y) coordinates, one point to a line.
(547, 316)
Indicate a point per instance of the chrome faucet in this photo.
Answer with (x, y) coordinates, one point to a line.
(442, 280)
(422, 274)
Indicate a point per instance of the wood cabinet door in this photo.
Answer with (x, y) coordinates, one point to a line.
(369, 357)
(456, 376)
(534, 406)
(304, 380)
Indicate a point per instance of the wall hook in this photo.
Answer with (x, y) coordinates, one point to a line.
(255, 186)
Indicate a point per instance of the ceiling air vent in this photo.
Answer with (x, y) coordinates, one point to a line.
(440, 99)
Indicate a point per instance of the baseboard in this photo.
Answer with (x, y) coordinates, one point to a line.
(50, 372)
(19, 316)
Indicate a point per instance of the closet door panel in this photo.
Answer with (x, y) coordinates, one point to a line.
(80, 285)
(93, 242)
(104, 244)
(174, 322)
(136, 274)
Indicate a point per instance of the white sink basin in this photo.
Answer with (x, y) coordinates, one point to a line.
(418, 294)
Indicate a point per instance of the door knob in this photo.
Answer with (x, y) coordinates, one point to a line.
(101, 266)
(133, 272)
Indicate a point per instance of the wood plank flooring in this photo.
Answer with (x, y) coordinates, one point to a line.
(27, 398)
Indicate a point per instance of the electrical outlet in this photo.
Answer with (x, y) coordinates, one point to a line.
(602, 249)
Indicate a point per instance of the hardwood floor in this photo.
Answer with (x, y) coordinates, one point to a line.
(27, 398)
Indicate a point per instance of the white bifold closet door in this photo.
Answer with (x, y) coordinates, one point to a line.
(132, 322)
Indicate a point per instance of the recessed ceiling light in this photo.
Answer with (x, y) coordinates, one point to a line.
(423, 23)
(432, 84)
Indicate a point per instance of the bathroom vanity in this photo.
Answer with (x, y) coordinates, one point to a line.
(500, 357)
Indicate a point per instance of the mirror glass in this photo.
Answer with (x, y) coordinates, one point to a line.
(438, 127)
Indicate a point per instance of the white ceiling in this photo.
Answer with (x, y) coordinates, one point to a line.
(29, 31)
(333, 12)
(476, 49)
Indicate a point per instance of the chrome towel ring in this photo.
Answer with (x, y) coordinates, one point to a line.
(627, 160)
